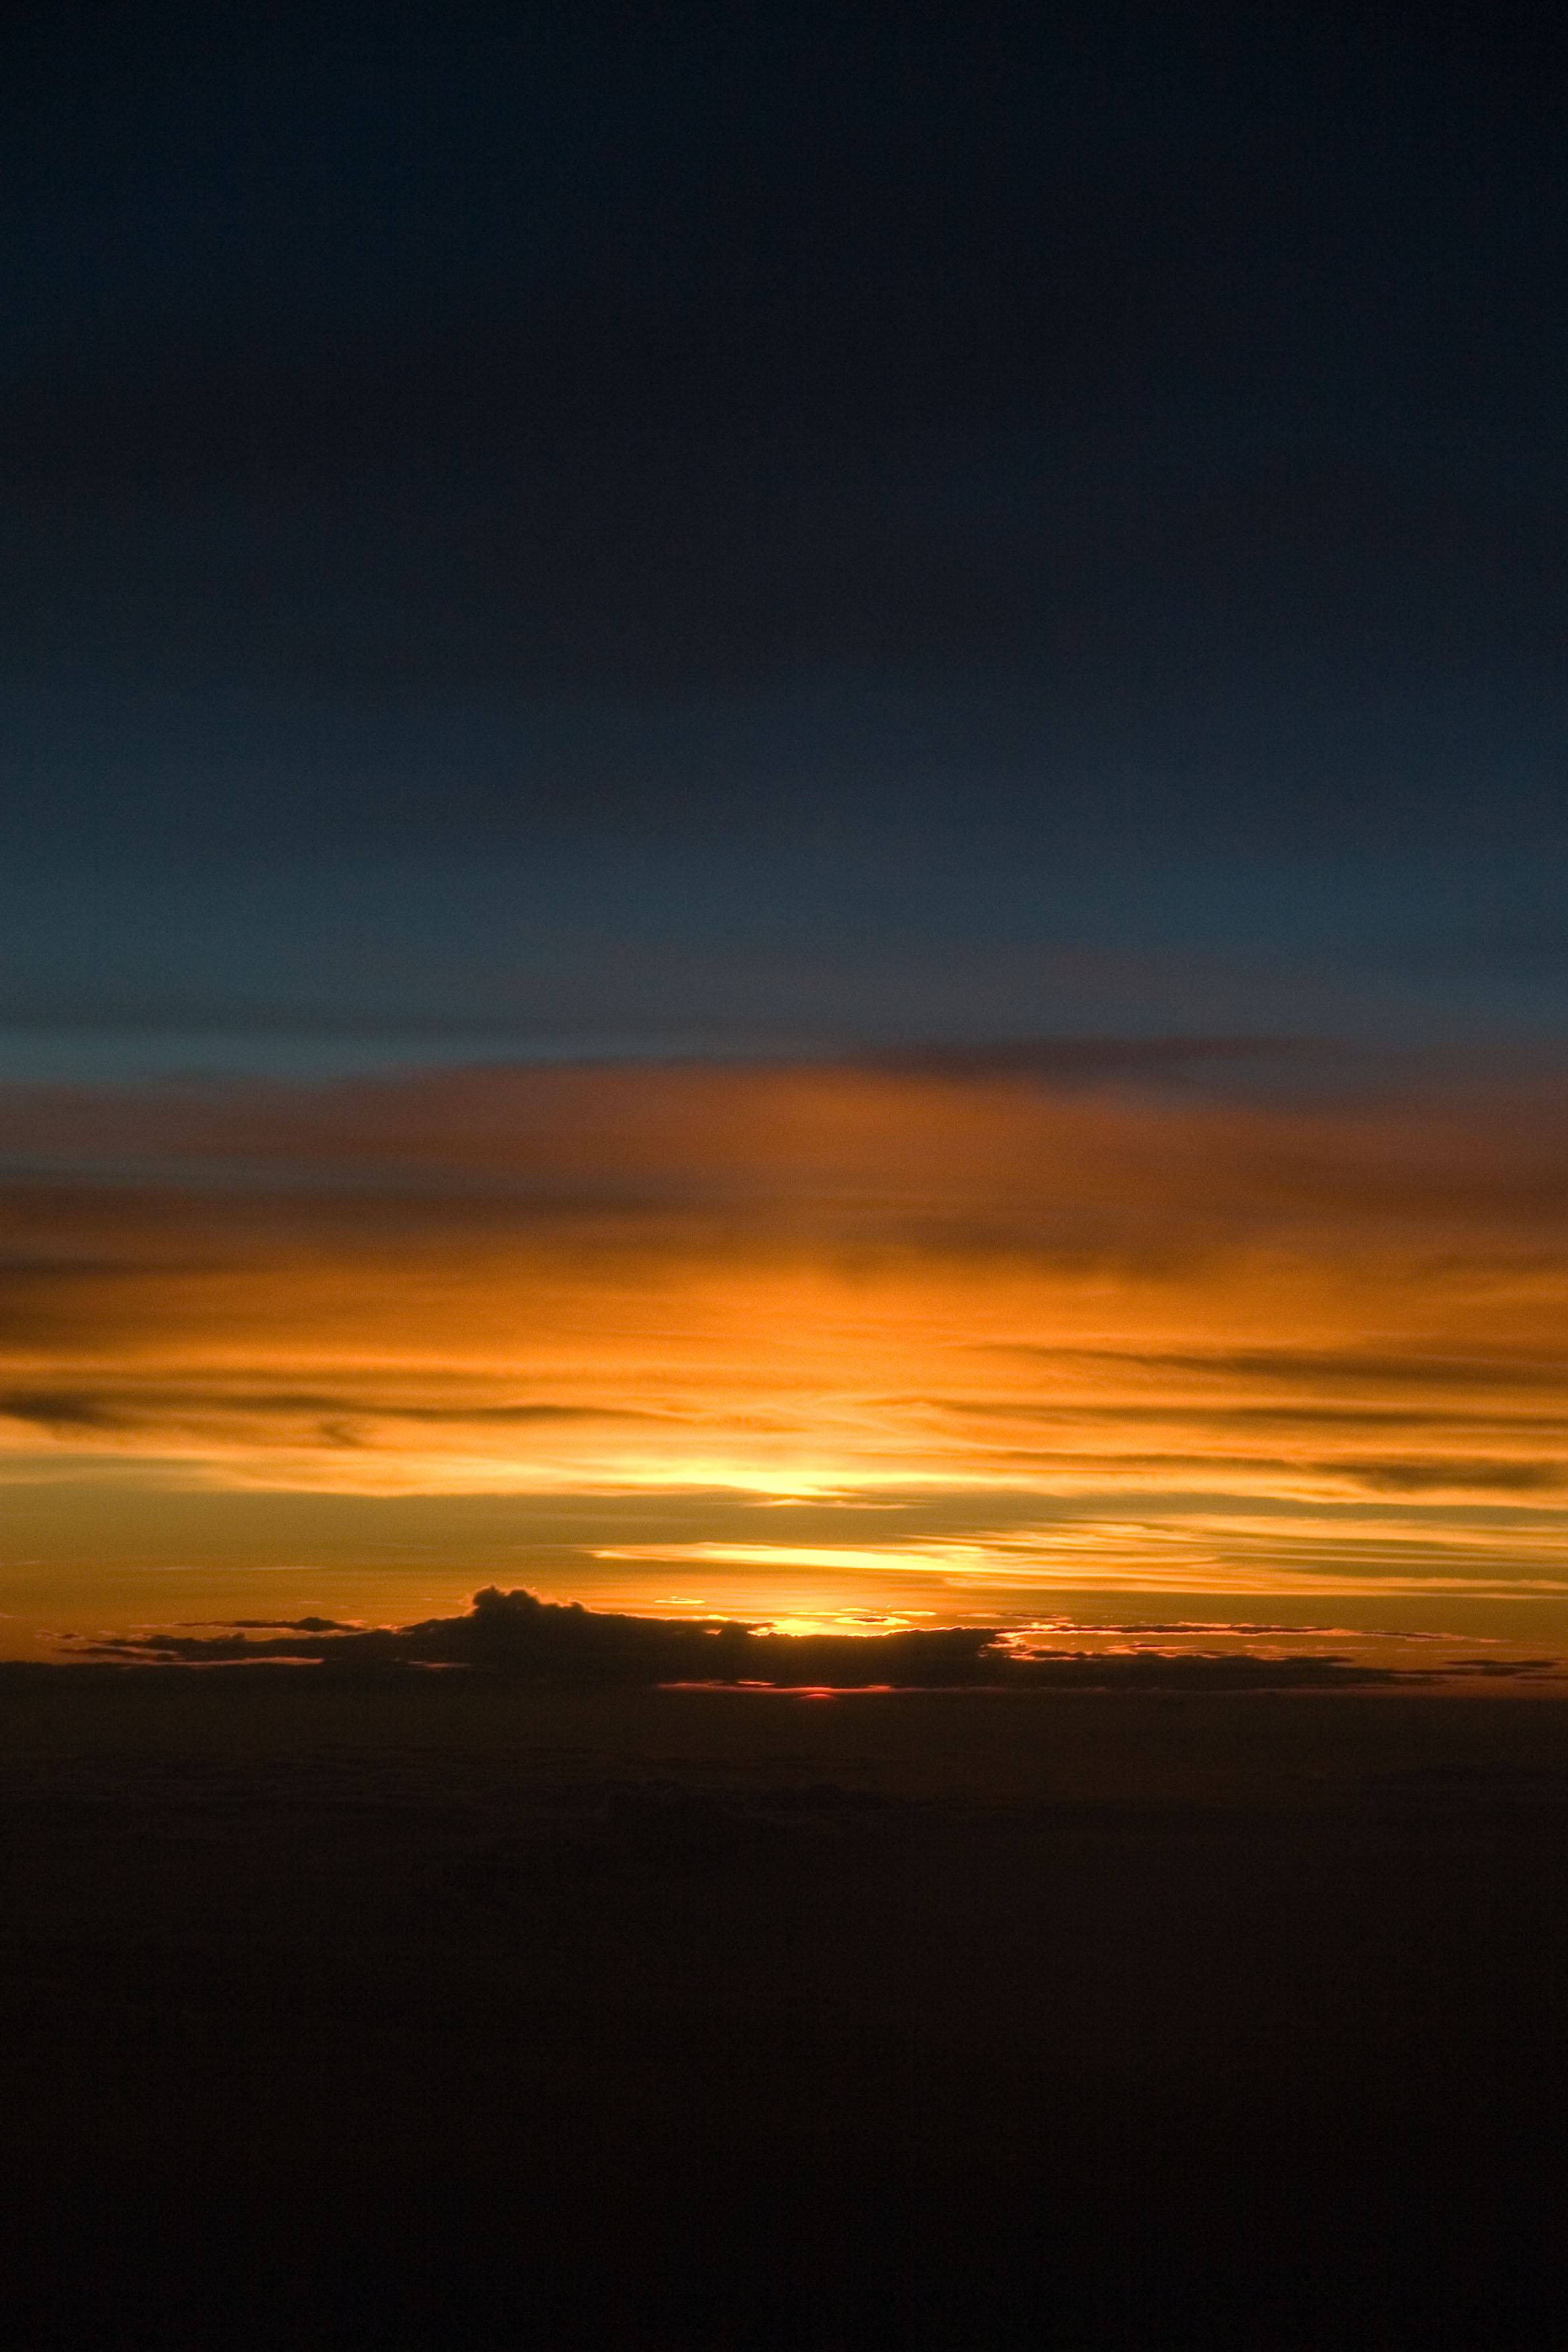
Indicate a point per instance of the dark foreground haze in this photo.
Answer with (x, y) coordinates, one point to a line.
(394, 2005)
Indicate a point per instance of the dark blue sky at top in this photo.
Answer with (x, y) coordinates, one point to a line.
(679, 528)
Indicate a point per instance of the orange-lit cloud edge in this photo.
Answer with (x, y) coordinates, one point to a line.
(827, 1344)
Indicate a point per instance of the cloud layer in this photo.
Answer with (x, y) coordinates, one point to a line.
(1073, 1323)
(516, 1637)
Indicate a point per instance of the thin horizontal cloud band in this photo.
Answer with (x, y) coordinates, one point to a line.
(517, 1637)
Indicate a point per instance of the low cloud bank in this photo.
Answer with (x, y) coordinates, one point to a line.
(520, 1637)
(516, 1637)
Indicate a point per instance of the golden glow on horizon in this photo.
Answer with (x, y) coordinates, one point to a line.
(1222, 1347)
(1149, 1559)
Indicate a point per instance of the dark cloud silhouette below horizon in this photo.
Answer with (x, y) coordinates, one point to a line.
(516, 1637)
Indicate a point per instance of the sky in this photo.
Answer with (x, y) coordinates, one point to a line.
(782, 817)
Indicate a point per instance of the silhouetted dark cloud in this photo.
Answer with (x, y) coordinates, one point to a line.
(517, 1637)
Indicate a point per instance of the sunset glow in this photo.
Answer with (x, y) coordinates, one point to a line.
(716, 1332)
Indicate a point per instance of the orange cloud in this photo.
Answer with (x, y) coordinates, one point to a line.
(804, 1283)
